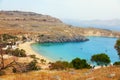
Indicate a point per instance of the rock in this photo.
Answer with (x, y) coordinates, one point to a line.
(61, 38)
(92, 78)
(1, 79)
(72, 72)
(111, 75)
(56, 77)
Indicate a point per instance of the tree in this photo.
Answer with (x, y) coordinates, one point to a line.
(117, 46)
(80, 63)
(101, 59)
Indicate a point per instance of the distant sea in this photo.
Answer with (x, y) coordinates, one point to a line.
(83, 50)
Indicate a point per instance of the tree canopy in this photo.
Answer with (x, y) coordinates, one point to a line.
(80, 63)
(101, 59)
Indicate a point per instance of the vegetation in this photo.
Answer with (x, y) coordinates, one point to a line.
(117, 46)
(17, 52)
(80, 63)
(117, 63)
(2, 72)
(33, 66)
(100, 59)
(33, 56)
(42, 61)
(84, 74)
(6, 37)
(76, 63)
(60, 65)
(24, 38)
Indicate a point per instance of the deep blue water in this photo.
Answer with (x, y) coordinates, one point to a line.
(83, 50)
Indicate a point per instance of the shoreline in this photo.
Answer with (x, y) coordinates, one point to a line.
(29, 51)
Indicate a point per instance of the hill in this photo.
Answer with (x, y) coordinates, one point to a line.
(47, 28)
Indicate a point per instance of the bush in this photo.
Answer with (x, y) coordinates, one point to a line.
(7, 37)
(80, 63)
(33, 56)
(60, 65)
(33, 66)
(43, 61)
(100, 59)
(17, 52)
(76, 63)
(14, 70)
(117, 63)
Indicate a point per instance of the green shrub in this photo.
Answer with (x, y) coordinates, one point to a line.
(80, 63)
(76, 63)
(60, 65)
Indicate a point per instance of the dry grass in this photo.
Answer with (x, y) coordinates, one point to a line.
(86, 74)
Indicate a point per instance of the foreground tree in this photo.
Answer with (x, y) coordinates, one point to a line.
(117, 46)
(80, 63)
(101, 59)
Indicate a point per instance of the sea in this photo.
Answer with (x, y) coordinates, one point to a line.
(84, 50)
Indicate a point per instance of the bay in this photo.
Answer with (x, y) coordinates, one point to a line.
(84, 50)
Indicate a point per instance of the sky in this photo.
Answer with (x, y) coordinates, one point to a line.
(68, 9)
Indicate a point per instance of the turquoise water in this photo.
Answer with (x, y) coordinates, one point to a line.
(83, 50)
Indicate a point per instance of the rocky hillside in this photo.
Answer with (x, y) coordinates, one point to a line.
(47, 28)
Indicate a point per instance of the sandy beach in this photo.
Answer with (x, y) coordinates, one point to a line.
(29, 51)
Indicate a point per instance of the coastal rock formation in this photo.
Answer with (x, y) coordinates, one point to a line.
(44, 28)
(61, 38)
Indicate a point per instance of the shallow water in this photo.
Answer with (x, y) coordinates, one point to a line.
(83, 50)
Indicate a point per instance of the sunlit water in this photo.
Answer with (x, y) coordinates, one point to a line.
(83, 50)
